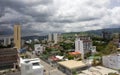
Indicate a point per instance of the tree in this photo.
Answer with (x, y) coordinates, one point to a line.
(111, 48)
(67, 46)
(70, 57)
(74, 72)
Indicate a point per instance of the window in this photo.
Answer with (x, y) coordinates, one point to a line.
(35, 64)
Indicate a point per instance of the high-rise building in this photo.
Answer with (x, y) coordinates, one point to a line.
(8, 58)
(106, 35)
(7, 41)
(83, 44)
(79, 47)
(49, 37)
(55, 38)
(87, 43)
(17, 36)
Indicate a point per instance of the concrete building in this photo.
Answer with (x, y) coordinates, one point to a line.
(79, 47)
(17, 36)
(55, 38)
(22, 43)
(111, 61)
(8, 58)
(71, 66)
(38, 48)
(98, 70)
(83, 44)
(93, 49)
(31, 67)
(106, 35)
(7, 41)
(36, 40)
(87, 43)
(49, 37)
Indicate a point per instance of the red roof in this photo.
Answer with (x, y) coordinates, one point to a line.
(74, 53)
(54, 58)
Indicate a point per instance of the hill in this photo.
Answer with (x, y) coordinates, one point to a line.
(94, 32)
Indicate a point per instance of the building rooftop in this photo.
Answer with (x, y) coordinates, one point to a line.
(74, 53)
(34, 63)
(98, 70)
(72, 64)
(29, 60)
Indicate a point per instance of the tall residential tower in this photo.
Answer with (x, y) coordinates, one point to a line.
(17, 36)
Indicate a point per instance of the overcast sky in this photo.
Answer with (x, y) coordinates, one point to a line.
(44, 16)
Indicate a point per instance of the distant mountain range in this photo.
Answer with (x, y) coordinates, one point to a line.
(34, 37)
(94, 32)
(97, 32)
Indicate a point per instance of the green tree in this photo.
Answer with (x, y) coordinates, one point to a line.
(70, 57)
(111, 48)
(67, 46)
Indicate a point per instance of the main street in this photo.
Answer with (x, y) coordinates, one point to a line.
(49, 70)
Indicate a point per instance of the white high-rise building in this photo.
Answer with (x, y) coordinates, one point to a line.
(6, 40)
(31, 67)
(55, 38)
(79, 46)
(49, 37)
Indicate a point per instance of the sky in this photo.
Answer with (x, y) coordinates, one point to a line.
(38, 17)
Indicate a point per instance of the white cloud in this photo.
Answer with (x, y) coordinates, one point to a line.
(63, 15)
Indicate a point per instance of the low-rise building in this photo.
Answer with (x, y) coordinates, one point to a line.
(111, 61)
(98, 70)
(31, 67)
(38, 48)
(76, 55)
(71, 66)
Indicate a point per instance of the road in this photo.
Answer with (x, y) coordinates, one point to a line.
(49, 69)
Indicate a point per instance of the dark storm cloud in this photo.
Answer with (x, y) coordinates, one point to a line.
(26, 8)
(71, 20)
(39, 16)
(22, 12)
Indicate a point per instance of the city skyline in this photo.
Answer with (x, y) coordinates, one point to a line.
(44, 16)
